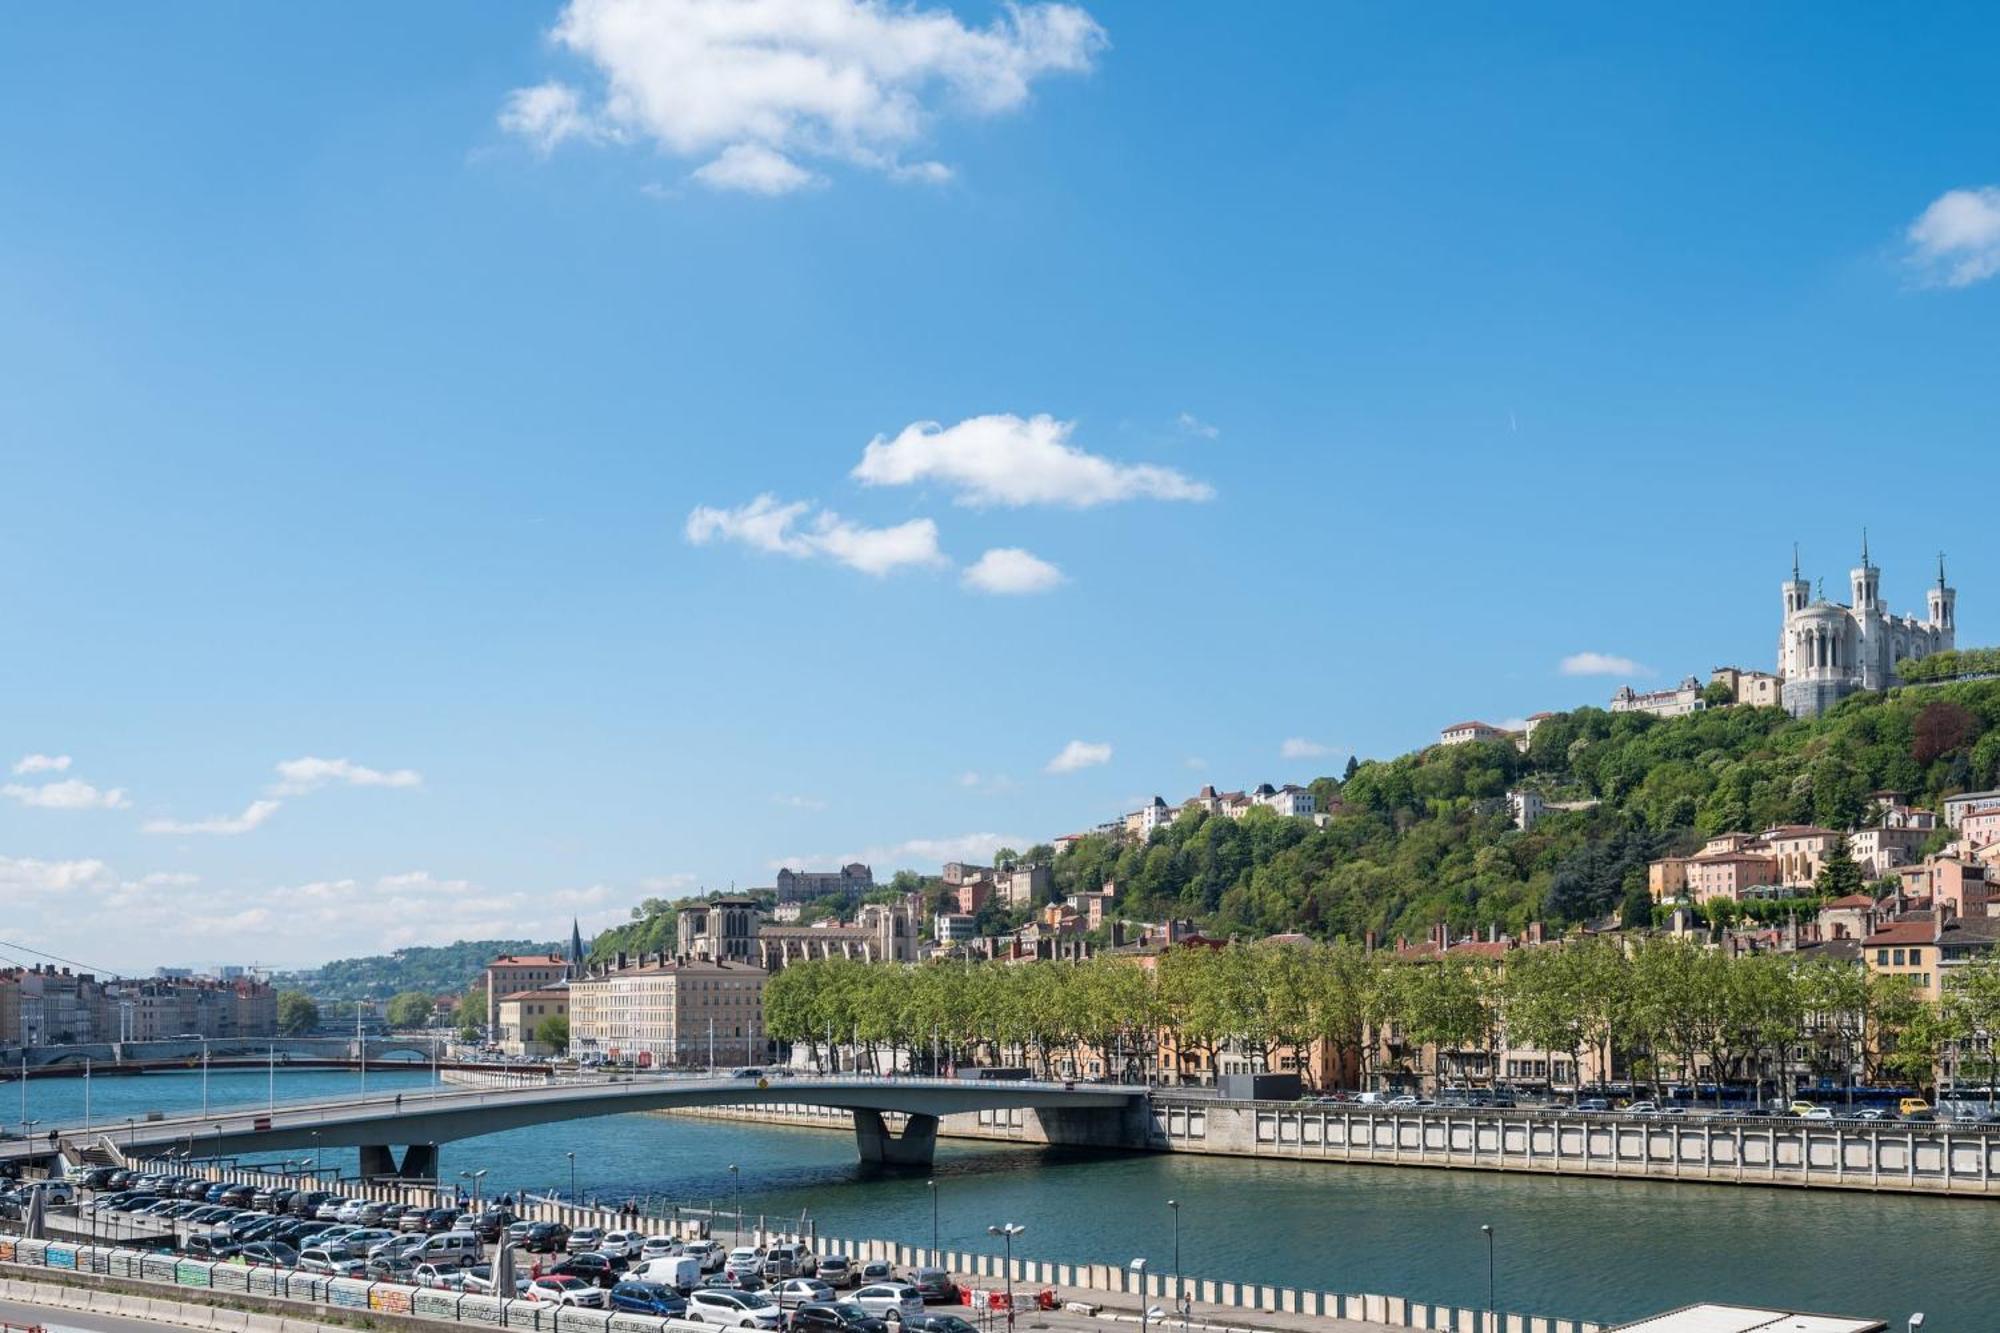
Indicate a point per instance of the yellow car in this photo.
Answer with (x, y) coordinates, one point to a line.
(1912, 1106)
(1801, 1108)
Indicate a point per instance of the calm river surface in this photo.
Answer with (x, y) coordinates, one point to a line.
(1605, 1250)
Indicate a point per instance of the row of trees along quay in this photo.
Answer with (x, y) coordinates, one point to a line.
(1660, 1011)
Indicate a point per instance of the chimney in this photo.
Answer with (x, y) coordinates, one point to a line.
(1537, 933)
(1368, 941)
(1493, 932)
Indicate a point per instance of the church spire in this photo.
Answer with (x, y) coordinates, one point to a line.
(575, 950)
(1795, 562)
(1864, 548)
(1940, 569)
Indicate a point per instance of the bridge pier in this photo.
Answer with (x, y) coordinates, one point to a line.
(914, 1147)
(419, 1161)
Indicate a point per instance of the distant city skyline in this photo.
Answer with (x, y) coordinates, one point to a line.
(465, 481)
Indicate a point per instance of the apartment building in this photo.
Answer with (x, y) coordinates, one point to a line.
(671, 1013)
(510, 974)
(522, 1013)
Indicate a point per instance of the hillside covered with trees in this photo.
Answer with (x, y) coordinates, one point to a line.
(1427, 837)
(430, 969)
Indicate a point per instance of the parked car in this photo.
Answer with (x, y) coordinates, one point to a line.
(389, 1268)
(935, 1285)
(478, 1281)
(276, 1254)
(591, 1267)
(836, 1270)
(585, 1238)
(733, 1309)
(792, 1292)
(328, 1263)
(621, 1244)
(438, 1275)
(560, 1289)
(744, 1261)
(680, 1271)
(787, 1260)
(454, 1249)
(938, 1323)
(835, 1317)
(545, 1238)
(652, 1298)
(489, 1225)
(875, 1270)
(659, 1247)
(708, 1253)
(308, 1203)
(884, 1299)
(207, 1247)
(441, 1219)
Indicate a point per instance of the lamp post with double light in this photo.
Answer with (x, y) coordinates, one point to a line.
(1007, 1231)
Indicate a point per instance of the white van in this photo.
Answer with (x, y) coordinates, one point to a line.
(448, 1249)
(682, 1272)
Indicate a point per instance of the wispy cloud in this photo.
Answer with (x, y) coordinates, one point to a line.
(1955, 242)
(1012, 461)
(253, 815)
(70, 794)
(911, 854)
(1602, 664)
(1191, 424)
(41, 763)
(1077, 755)
(299, 776)
(1009, 571)
(991, 784)
(771, 525)
(799, 802)
(762, 83)
(1298, 747)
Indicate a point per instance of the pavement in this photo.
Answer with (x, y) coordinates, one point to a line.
(57, 1320)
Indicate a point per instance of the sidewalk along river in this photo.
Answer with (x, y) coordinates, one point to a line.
(1587, 1249)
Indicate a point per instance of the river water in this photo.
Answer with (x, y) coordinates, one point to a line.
(1602, 1250)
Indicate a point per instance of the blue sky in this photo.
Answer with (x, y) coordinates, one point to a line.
(395, 385)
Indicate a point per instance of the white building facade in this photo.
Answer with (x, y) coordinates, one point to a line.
(1827, 651)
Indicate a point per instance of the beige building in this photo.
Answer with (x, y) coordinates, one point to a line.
(1731, 875)
(522, 1013)
(1024, 885)
(1801, 849)
(1460, 733)
(1682, 699)
(1753, 689)
(675, 1014)
(1667, 878)
(509, 974)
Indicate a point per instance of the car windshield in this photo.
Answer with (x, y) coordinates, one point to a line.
(849, 1310)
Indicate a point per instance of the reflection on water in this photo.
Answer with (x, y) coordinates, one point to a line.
(1605, 1250)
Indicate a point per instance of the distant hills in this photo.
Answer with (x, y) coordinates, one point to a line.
(434, 969)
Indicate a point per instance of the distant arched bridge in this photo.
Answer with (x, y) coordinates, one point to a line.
(418, 1121)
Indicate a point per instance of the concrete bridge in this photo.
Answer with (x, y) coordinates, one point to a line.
(105, 1056)
(1081, 1113)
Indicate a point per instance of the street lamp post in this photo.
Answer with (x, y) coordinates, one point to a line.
(1180, 1295)
(1007, 1231)
(572, 1176)
(934, 1220)
(475, 1177)
(1487, 1229)
(204, 1078)
(736, 1187)
(1138, 1267)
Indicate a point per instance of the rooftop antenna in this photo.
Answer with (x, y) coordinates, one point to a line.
(1795, 562)
(1940, 569)
(1864, 548)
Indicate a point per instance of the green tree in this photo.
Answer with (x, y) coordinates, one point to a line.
(553, 1031)
(411, 1009)
(297, 1013)
(1839, 874)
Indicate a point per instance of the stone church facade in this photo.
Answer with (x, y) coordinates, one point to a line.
(1829, 650)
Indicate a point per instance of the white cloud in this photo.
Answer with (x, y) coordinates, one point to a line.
(547, 115)
(222, 825)
(991, 784)
(299, 776)
(70, 794)
(766, 524)
(1079, 754)
(41, 763)
(1298, 747)
(1011, 571)
(1602, 664)
(912, 854)
(27, 876)
(800, 802)
(1194, 761)
(1194, 425)
(1956, 241)
(1002, 459)
(680, 881)
(761, 82)
(755, 169)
